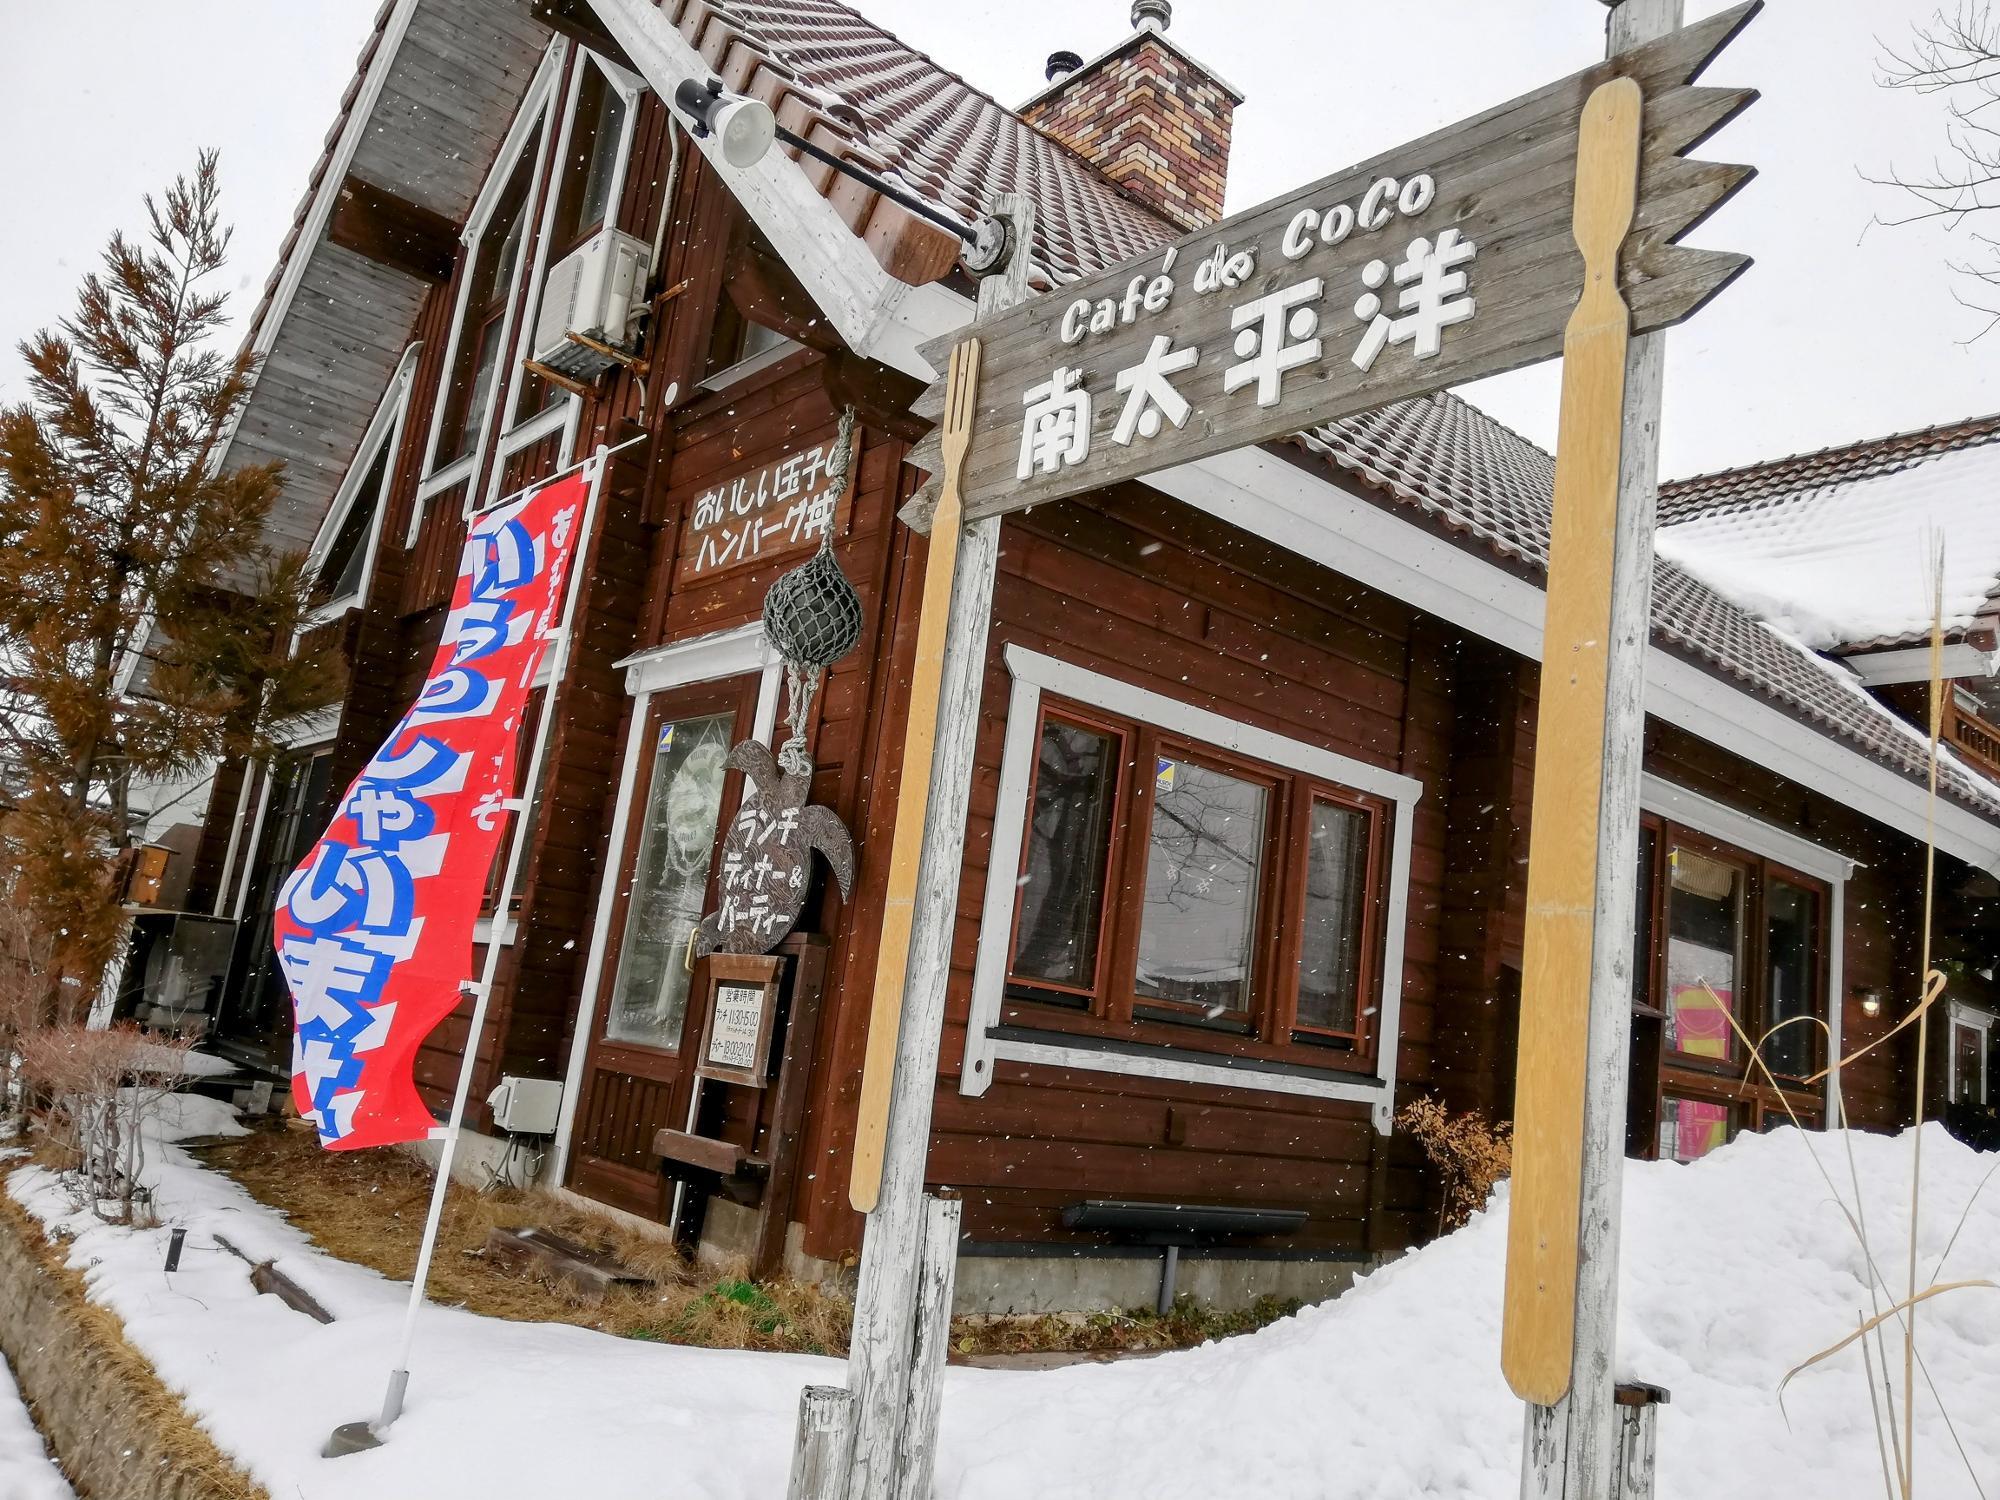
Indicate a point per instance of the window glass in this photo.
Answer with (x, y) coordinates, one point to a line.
(346, 560)
(1791, 941)
(1704, 953)
(476, 359)
(595, 134)
(1069, 840)
(1204, 864)
(1336, 896)
(669, 880)
(1691, 1128)
(1968, 1064)
(583, 194)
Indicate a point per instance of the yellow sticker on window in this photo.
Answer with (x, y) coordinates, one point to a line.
(1163, 775)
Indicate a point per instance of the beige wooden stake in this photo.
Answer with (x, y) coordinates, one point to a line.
(1539, 1319)
(913, 797)
(1570, 1448)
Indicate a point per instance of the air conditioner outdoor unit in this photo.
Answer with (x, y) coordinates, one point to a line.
(593, 292)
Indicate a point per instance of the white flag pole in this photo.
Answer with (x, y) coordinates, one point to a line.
(354, 1436)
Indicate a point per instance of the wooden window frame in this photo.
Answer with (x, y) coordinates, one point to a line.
(1109, 1036)
(1269, 1027)
(1736, 1080)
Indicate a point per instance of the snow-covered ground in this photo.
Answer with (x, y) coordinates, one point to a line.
(1736, 1269)
(26, 1470)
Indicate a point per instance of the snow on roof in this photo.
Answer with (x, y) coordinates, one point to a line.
(1847, 560)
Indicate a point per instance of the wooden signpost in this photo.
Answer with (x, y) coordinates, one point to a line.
(1436, 263)
(1545, 226)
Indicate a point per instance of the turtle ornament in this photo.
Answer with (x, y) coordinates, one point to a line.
(767, 855)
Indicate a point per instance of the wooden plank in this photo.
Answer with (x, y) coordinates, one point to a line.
(937, 1271)
(819, 1451)
(561, 1262)
(1538, 1317)
(1501, 182)
(724, 1157)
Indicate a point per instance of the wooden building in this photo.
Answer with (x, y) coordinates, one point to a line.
(1245, 868)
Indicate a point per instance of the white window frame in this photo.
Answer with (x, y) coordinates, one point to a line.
(703, 658)
(1728, 825)
(562, 415)
(384, 432)
(750, 365)
(537, 113)
(316, 729)
(1035, 674)
(1960, 1014)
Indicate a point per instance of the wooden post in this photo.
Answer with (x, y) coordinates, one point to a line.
(894, 1128)
(1638, 1440)
(821, 1446)
(1571, 1444)
(937, 1273)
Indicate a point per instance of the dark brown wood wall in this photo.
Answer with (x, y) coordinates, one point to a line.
(1129, 586)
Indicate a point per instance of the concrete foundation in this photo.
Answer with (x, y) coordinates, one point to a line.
(1115, 1281)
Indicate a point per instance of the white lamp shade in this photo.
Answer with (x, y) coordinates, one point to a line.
(745, 129)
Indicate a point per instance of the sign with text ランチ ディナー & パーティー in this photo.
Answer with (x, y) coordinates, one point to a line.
(1442, 261)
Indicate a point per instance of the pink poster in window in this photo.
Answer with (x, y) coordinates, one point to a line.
(1699, 1128)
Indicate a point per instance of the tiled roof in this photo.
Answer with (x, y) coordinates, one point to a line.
(1784, 478)
(894, 108)
(1477, 479)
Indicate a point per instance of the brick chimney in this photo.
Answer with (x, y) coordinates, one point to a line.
(1151, 118)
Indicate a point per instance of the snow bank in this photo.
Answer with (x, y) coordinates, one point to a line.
(26, 1470)
(1735, 1269)
(1852, 562)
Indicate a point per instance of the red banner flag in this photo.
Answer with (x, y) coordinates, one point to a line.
(374, 928)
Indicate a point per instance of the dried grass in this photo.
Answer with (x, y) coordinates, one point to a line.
(368, 1207)
(186, 1446)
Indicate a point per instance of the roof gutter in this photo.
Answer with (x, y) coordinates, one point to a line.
(1913, 664)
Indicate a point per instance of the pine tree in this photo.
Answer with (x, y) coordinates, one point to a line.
(145, 627)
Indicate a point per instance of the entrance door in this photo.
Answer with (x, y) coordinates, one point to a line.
(254, 1021)
(634, 1082)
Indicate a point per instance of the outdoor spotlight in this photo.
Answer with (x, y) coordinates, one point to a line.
(1871, 1003)
(745, 128)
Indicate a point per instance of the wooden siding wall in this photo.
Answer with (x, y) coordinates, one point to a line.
(1128, 586)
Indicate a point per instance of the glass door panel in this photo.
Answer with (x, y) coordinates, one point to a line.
(677, 842)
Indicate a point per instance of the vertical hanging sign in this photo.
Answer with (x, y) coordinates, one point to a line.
(374, 929)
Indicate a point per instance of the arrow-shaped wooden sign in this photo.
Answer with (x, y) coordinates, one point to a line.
(1440, 262)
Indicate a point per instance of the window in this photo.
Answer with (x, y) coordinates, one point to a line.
(483, 319)
(340, 570)
(1176, 894)
(1210, 894)
(1728, 945)
(1969, 1056)
(589, 177)
(670, 880)
(343, 553)
(1691, 1128)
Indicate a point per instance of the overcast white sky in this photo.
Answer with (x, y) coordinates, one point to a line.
(1841, 330)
